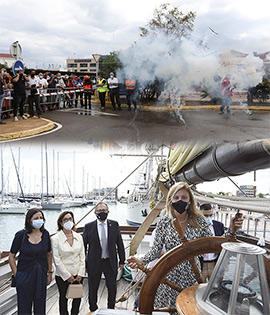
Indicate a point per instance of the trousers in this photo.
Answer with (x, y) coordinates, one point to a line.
(62, 287)
(93, 284)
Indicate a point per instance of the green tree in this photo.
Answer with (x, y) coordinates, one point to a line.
(260, 195)
(262, 90)
(110, 64)
(170, 21)
(221, 193)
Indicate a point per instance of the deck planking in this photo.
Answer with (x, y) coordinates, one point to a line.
(52, 307)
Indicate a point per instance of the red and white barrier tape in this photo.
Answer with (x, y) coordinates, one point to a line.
(50, 94)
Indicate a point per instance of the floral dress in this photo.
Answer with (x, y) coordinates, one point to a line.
(182, 274)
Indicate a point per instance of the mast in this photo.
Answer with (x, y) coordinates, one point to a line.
(47, 172)
(2, 174)
(17, 173)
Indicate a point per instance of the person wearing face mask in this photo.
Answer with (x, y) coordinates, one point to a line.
(43, 90)
(3, 85)
(69, 260)
(208, 261)
(180, 204)
(34, 269)
(32, 91)
(103, 242)
(114, 91)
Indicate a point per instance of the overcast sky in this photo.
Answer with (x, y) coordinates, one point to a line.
(97, 166)
(51, 31)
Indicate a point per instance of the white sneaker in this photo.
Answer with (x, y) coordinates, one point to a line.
(15, 118)
(24, 117)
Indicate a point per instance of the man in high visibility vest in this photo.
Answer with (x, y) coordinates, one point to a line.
(102, 86)
(131, 93)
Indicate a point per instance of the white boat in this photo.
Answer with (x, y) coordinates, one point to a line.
(13, 208)
(54, 205)
(140, 200)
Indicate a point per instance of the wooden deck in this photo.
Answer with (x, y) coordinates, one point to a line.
(52, 298)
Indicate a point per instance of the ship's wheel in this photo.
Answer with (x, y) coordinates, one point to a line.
(186, 251)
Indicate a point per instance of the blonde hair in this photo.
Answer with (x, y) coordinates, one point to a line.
(193, 212)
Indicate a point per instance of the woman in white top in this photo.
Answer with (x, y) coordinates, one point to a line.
(69, 259)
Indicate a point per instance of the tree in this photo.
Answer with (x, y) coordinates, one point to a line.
(262, 90)
(170, 21)
(110, 64)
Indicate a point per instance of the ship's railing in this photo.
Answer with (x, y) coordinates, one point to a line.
(254, 225)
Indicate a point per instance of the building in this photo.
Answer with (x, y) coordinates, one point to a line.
(100, 193)
(249, 190)
(91, 66)
(7, 60)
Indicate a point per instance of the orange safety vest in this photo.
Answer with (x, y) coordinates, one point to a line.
(130, 84)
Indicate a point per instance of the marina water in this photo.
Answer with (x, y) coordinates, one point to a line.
(11, 223)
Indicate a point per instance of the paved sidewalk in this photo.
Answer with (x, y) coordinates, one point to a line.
(24, 128)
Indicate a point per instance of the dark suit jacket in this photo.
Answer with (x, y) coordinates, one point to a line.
(93, 247)
(218, 228)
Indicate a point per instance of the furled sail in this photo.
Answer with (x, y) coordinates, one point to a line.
(218, 161)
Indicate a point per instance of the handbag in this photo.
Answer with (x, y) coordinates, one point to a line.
(74, 291)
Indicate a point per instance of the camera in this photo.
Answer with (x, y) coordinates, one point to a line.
(33, 91)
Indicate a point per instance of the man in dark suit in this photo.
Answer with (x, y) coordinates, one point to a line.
(217, 228)
(103, 241)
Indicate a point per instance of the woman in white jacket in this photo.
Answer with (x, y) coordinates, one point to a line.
(69, 259)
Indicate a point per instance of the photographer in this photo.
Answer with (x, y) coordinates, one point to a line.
(19, 94)
(32, 91)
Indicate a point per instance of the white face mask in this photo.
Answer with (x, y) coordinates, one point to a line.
(209, 220)
(68, 225)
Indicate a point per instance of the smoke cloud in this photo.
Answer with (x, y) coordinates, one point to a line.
(185, 65)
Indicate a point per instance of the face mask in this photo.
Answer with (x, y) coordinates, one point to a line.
(180, 206)
(102, 216)
(68, 225)
(40, 76)
(209, 220)
(32, 75)
(111, 76)
(37, 224)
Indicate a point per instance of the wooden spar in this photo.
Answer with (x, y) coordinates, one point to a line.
(148, 221)
(226, 159)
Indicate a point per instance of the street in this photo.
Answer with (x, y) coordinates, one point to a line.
(83, 127)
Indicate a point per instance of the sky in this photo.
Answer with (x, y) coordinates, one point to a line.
(82, 168)
(51, 31)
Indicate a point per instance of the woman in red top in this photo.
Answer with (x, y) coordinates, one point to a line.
(88, 91)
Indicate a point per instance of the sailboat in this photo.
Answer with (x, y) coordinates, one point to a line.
(195, 165)
(8, 206)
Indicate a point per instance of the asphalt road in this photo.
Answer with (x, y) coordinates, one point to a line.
(153, 126)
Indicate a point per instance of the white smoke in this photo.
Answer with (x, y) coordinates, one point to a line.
(184, 65)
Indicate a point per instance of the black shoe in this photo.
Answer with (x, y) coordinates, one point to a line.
(31, 116)
(39, 115)
(120, 108)
(2, 122)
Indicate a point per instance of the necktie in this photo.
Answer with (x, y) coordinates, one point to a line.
(103, 242)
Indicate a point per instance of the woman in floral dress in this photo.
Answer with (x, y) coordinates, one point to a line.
(181, 205)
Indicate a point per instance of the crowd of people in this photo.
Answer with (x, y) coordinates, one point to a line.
(47, 91)
(101, 250)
